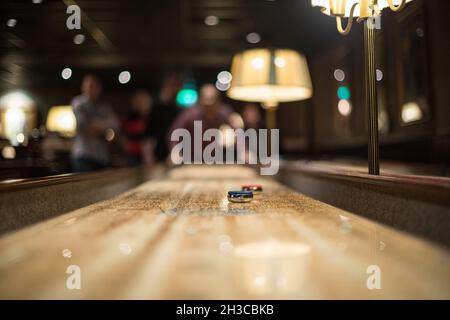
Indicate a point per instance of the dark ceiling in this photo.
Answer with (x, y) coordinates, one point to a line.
(148, 37)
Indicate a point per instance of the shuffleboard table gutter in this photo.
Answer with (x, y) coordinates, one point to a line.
(27, 201)
(419, 205)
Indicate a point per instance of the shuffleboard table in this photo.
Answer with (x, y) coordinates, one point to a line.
(177, 236)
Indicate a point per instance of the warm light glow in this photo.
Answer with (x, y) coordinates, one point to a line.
(227, 136)
(272, 248)
(20, 137)
(344, 7)
(262, 75)
(17, 116)
(280, 62)
(109, 134)
(16, 100)
(61, 119)
(8, 152)
(344, 107)
(15, 121)
(273, 267)
(258, 63)
(361, 9)
(236, 120)
(411, 112)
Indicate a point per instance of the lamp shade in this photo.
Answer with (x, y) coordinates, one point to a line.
(61, 119)
(363, 8)
(17, 116)
(270, 76)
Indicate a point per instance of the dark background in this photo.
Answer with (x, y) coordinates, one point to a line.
(152, 37)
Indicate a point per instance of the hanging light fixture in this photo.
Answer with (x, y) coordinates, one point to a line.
(367, 11)
(360, 9)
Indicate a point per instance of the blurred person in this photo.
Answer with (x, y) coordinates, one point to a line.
(134, 126)
(164, 112)
(251, 116)
(95, 120)
(209, 110)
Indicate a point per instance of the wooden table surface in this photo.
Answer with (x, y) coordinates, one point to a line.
(180, 238)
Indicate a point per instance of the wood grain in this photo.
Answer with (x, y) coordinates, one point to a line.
(179, 237)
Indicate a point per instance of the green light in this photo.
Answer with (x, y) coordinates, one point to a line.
(344, 93)
(187, 97)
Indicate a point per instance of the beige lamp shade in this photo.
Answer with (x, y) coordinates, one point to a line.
(270, 76)
(61, 119)
(361, 8)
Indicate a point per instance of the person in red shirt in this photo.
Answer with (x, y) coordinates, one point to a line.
(134, 126)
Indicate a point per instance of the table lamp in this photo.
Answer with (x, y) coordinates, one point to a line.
(270, 76)
(61, 119)
(367, 11)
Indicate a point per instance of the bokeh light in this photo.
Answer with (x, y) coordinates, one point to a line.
(212, 21)
(222, 86)
(187, 97)
(11, 23)
(380, 75)
(66, 73)
(345, 107)
(224, 77)
(344, 93)
(8, 152)
(280, 62)
(258, 63)
(253, 38)
(124, 77)
(79, 38)
(20, 138)
(411, 112)
(339, 75)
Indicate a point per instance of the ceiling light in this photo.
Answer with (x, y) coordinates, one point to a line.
(222, 86)
(224, 77)
(11, 23)
(339, 75)
(124, 77)
(79, 39)
(253, 38)
(212, 21)
(66, 73)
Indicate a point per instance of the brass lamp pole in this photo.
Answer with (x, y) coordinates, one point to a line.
(371, 99)
(367, 11)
